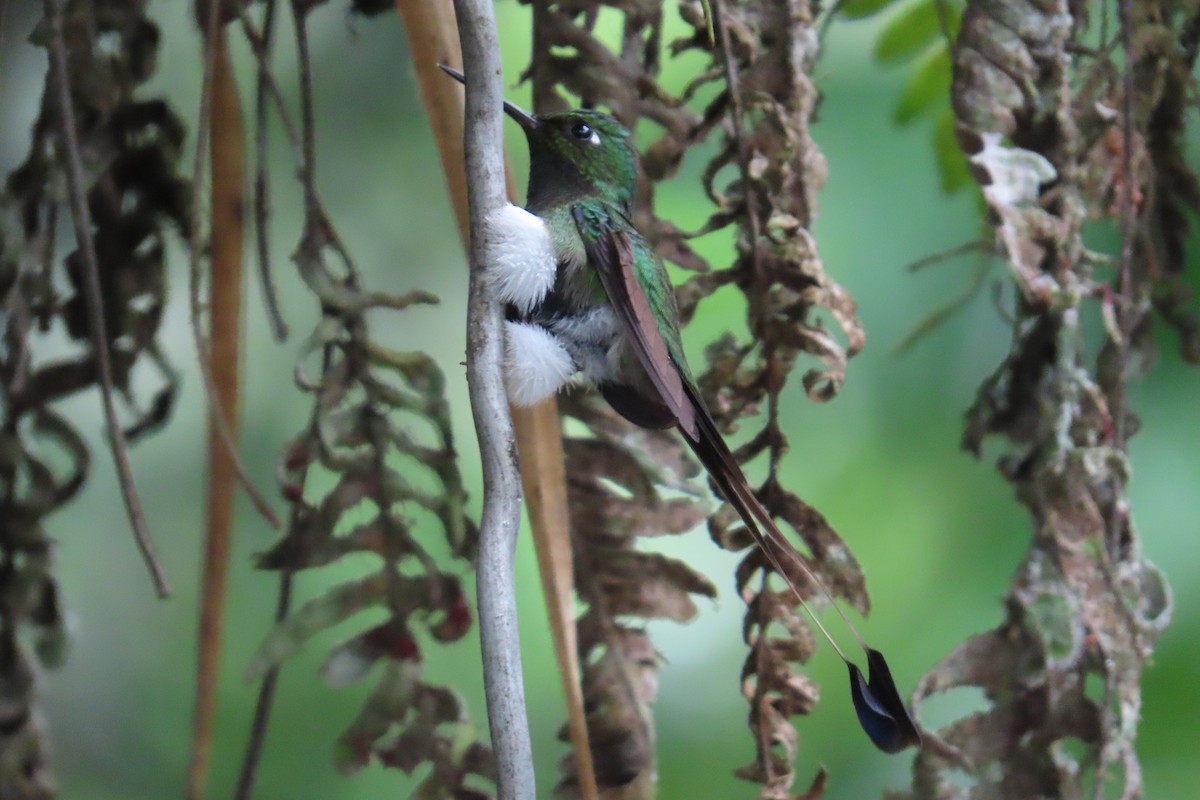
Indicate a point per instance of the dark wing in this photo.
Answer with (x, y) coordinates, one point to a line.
(610, 250)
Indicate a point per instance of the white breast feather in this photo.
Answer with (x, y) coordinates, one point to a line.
(522, 263)
(536, 364)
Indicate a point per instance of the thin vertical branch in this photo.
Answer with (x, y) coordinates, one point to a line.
(248, 774)
(762, 281)
(432, 40)
(305, 148)
(500, 522)
(1126, 310)
(81, 216)
(308, 124)
(262, 183)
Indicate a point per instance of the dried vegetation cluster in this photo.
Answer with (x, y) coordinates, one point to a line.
(1060, 132)
(105, 163)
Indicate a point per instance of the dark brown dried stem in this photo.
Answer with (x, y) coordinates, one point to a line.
(946, 255)
(762, 282)
(260, 46)
(543, 479)
(252, 756)
(308, 125)
(95, 304)
(1126, 305)
(248, 774)
(262, 185)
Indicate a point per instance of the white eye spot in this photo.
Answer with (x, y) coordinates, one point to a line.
(585, 133)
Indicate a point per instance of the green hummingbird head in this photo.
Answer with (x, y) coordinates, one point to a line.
(574, 154)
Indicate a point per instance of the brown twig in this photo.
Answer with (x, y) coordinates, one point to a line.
(762, 281)
(315, 224)
(308, 124)
(262, 184)
(260, 47)
(946, 255)
(263, 705)
(1126, 303)
(543, 478)
(93, 296)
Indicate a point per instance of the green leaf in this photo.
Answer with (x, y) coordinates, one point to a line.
(916, 26)
(908, 32)
(859, 9)
(928, 88)
(952, 164)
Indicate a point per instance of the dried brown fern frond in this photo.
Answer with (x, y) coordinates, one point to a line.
(379, 438)
(758, 66)
(1053, 129)
(617, 476)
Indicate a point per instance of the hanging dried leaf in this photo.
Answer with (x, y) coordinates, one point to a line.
(614, 483)
(129, 146)
(392, 492)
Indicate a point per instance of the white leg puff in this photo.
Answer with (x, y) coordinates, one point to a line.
(522, 263)
(536, 365)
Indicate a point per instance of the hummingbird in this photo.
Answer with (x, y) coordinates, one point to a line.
(586, 293)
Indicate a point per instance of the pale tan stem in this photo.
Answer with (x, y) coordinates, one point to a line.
(228, 179)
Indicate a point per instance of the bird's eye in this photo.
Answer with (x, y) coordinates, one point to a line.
(582, 131)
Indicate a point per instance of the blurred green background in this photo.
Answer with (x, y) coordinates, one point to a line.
(937, 532)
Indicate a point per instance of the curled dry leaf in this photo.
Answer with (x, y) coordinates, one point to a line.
(391, 489)
(354, 437)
